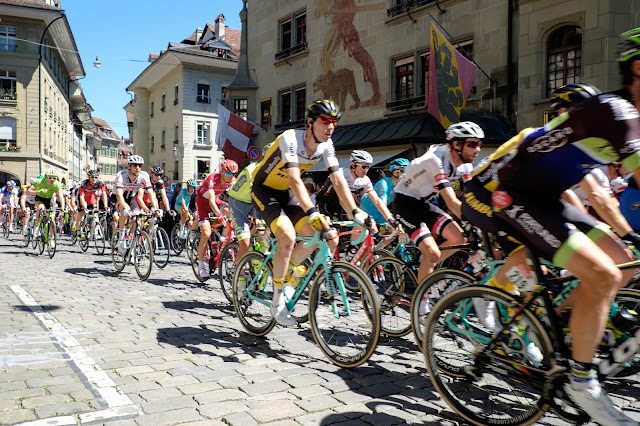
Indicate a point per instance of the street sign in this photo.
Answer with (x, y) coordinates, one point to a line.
(253, 153)
(165, 179)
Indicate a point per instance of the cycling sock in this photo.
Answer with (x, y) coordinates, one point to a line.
(583, 375)
(278, 297)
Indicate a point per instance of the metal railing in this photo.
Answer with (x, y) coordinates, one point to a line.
(298, 124)
(298, 48)
(403, 7)
(406, 103)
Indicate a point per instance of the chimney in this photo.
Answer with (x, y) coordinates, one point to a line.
(198, 34)
(220, 27)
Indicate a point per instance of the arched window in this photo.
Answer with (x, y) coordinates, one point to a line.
(564, 57)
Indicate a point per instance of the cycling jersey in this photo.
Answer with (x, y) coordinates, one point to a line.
(241, 189)
(45, 189)
(425, 176)
(602, 180)
(157, 189)
(91, 191)
(214, 183)
(130, 188)
(183, 195)
(327, 199)
(9, 197)
(386, 191)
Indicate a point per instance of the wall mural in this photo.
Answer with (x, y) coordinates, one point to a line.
(337, 84)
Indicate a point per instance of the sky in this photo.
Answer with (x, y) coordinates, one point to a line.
(123, 33)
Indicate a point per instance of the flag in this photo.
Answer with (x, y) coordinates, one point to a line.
(451, 77)
(233, 134)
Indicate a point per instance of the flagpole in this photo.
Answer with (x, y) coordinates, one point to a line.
(492, 81)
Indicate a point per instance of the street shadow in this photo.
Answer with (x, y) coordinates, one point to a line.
(197, 307)
(90, 272)
(39, 308)
(175, 283)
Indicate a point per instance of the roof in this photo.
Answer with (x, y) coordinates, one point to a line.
(103, 126)
(36, 4)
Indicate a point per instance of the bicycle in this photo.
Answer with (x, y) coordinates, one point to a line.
(517, 367)
(159, 242)
(28, 233)
(5, 223)
(91, 230)
(213, 250)
(345, 324)
(179, 235)
(46, 233)
(138, 247)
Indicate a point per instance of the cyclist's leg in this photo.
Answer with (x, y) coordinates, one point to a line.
(240, 221)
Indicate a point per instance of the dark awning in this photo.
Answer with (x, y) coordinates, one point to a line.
(421, 128)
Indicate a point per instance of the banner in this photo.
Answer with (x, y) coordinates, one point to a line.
(233, 134)
(451, 77)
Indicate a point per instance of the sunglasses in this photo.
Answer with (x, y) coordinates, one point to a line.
(399, 170)
(52, 177)
(229, 173)
(473, 144)
(364, 166)
(136, 165)
(327, 120)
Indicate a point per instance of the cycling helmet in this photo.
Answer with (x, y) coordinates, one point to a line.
(266, 148)
(32, 180)
(360, 156)
(629, 47)
(324, 106)
(11, 183)
(51, 172)
(398, 163)
(135, 159)
(464, 130)
(570, 94)
(229, 166)
(93, 173)
(156, 170)
(191, 183)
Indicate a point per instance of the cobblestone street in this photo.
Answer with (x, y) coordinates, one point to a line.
(84, 345)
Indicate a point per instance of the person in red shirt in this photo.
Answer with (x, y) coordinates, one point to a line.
(207, 201)
(88, 193)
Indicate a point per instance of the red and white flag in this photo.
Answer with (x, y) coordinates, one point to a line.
(233, 134)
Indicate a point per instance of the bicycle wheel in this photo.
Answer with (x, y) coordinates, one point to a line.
(226, 268)
(193, 256)
(161, 248)
(252, 294)
(191, 244)
(26, 237)
(99, 239)
(487, 383)
(34, 239)
(84, 235)
(51, 241)
(143, 255)
(44, 227)
(119, 259)
(434, 286)
(177, 240)
(5, 228)
(344, 323)
(395, 284)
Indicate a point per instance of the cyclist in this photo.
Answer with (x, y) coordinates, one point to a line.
(130, 185)
(88, 192)
(8, 200)
(385, 190)
(182, 203)
(428, 175)
(207, 201)
(45, 188)
(281, 199)
(543, 166)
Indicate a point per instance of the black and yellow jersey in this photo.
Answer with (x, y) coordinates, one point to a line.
(288, 150)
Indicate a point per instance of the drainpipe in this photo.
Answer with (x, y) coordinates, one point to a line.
(40, 92)
(510, 84)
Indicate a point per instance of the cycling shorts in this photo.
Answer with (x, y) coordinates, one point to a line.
(240, 212)
(45, 201)
(555, 228)
(419, 217)
(274, 205)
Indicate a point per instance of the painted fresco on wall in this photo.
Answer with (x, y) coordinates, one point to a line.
(337, 84)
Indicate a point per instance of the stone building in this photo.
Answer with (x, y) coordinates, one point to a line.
(108, 157)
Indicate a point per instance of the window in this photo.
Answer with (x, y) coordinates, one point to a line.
(176, 168)
(285, 35)
(301, 103)
(285, 107)
(202, 133)
(8, 85)
(175, 135)
(163, 103)
(240, 107)
(564, 57)
(202, 95)
(7, 134)
(424, 73)
(7, 38)
(151, 110)
(175, 96)
(153, 140)
(162, 141)
(301, 28)
(202, 168)
(265, 113)
(292, 39)
(404, 78)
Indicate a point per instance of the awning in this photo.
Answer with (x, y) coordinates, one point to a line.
(379, 156)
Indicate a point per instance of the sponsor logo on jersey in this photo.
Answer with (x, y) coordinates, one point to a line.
(630, 147)
(501, 200)
(550, 141)
(478, 205)
(532, 226)
(621, 108)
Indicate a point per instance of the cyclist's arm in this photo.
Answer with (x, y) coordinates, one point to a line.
(344, 194)
(83, 202)
(380, 205)
(23, 197)
(165, 200)
(120, 197)
(105, 199)
(605, 205)
(449, 197)
(212, 202)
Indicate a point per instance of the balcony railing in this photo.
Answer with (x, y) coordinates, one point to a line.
(7, 95)
(291, 51)
(202, 144)
(298, 124)
(203, 99)
(416, 101)
(403, 7)
(9, 147)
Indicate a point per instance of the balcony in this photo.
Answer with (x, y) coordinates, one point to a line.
(298, 124)
(294, 50)
(407, 103)
(202, 144)
(7, 94)
(405, 6)
(9, 147)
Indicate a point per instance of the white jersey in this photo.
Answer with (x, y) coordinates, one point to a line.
(602, 180)
(358, 186)
(425, 176)
(130, 188)
(9, 197)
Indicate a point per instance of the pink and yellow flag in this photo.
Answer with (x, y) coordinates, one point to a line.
(451, 77)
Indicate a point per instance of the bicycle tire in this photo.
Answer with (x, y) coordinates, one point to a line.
(83, 239)
(496, 388)
(195, 264)
(436, 283)
(119, 259)
(254, 315)
(395, 284)
(191, 244)
(143, 255)
(347, 338)
(26, 238)
(51, 241)
(161, 248)
(177, 243)
(5, 228)
(41, 243)
(34, 239)
(99, 239)
(226, 267)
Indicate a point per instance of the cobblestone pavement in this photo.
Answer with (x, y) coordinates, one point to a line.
(79, 344)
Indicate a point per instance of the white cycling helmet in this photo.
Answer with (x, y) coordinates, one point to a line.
(135, 159)
(360, 156)
(51, 172)
(464, 130)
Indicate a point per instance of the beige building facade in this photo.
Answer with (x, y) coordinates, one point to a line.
(371, 57)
